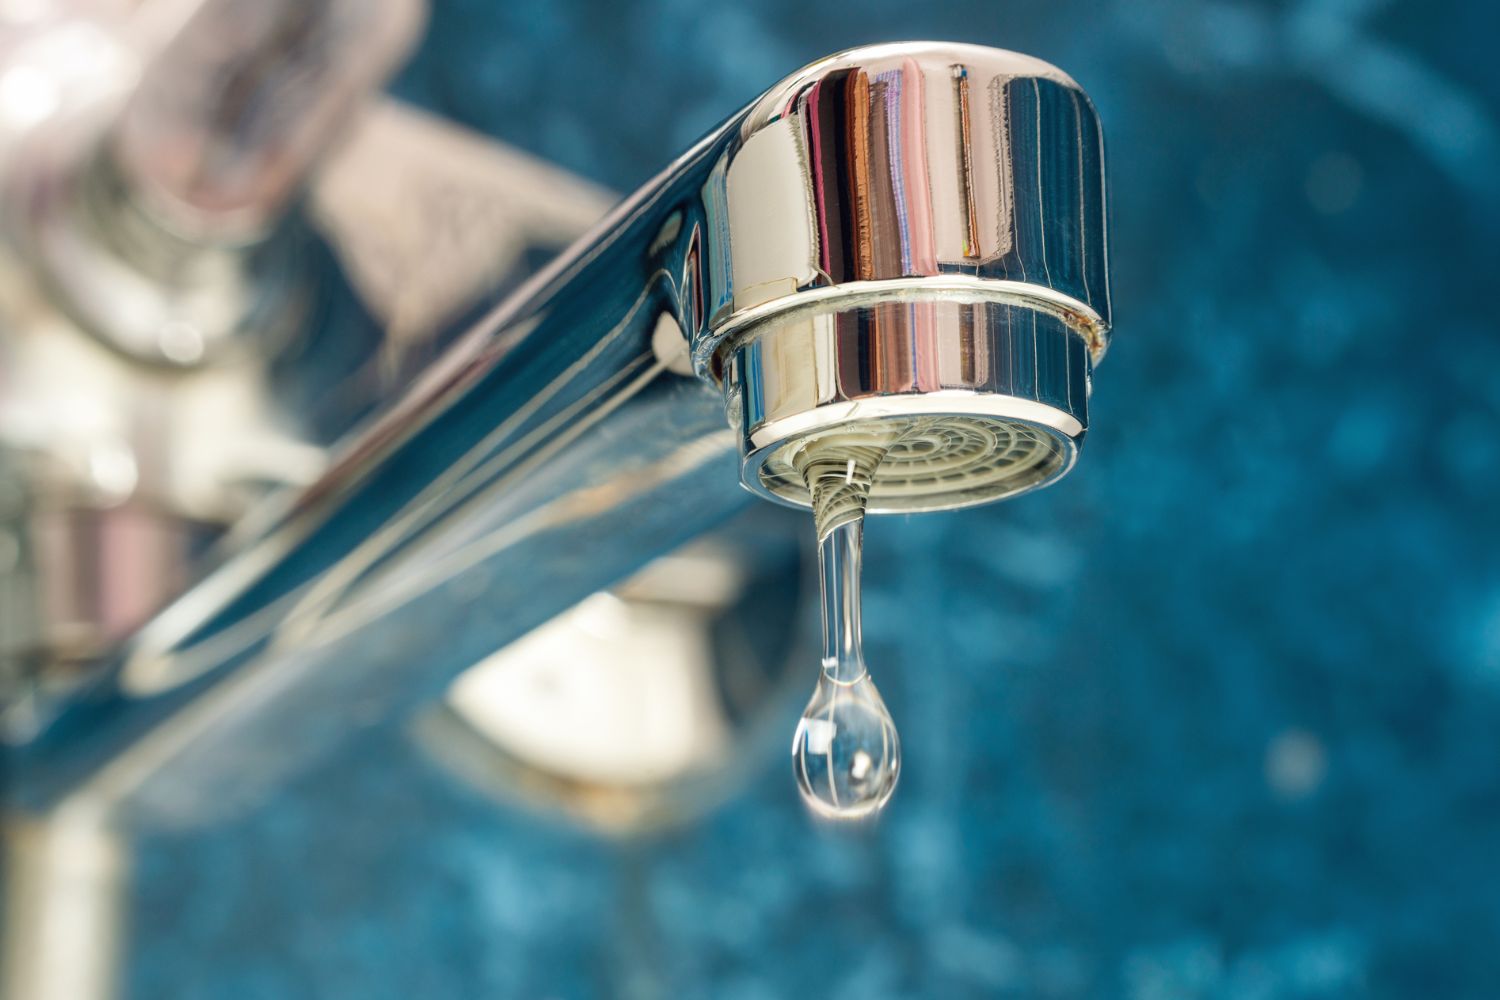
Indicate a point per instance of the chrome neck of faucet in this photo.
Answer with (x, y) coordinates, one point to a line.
(908, 230)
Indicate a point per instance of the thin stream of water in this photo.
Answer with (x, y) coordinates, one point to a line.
(846, 752)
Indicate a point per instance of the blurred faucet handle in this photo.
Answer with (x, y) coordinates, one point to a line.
(169, 232)
(236, 110)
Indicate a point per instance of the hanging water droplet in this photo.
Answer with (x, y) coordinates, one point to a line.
(846, 753)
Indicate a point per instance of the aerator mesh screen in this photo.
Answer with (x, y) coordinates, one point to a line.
(931, 462)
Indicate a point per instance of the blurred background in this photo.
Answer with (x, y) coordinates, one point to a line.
(1217, 716)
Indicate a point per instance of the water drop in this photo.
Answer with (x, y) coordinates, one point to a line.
(846, 753)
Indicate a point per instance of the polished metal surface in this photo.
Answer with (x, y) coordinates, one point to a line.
(648, 704)
(1000, 391)
(910, 231)
(162, 225)
(875, 170)
(151, 294)
(145, 349)
(115, 475)
(227, 121)
(565, 439)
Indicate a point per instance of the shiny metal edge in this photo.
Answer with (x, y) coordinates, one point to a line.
(944, 401)
(935, 161)
(1016, 63)
(959, 361)
(1063, 428)
(1088, 324)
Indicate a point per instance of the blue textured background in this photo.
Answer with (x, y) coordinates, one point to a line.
(1218, 716)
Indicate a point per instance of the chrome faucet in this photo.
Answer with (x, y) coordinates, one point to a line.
(899, 230)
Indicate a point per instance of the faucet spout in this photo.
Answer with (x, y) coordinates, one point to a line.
(897, 232)
(917, 235)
